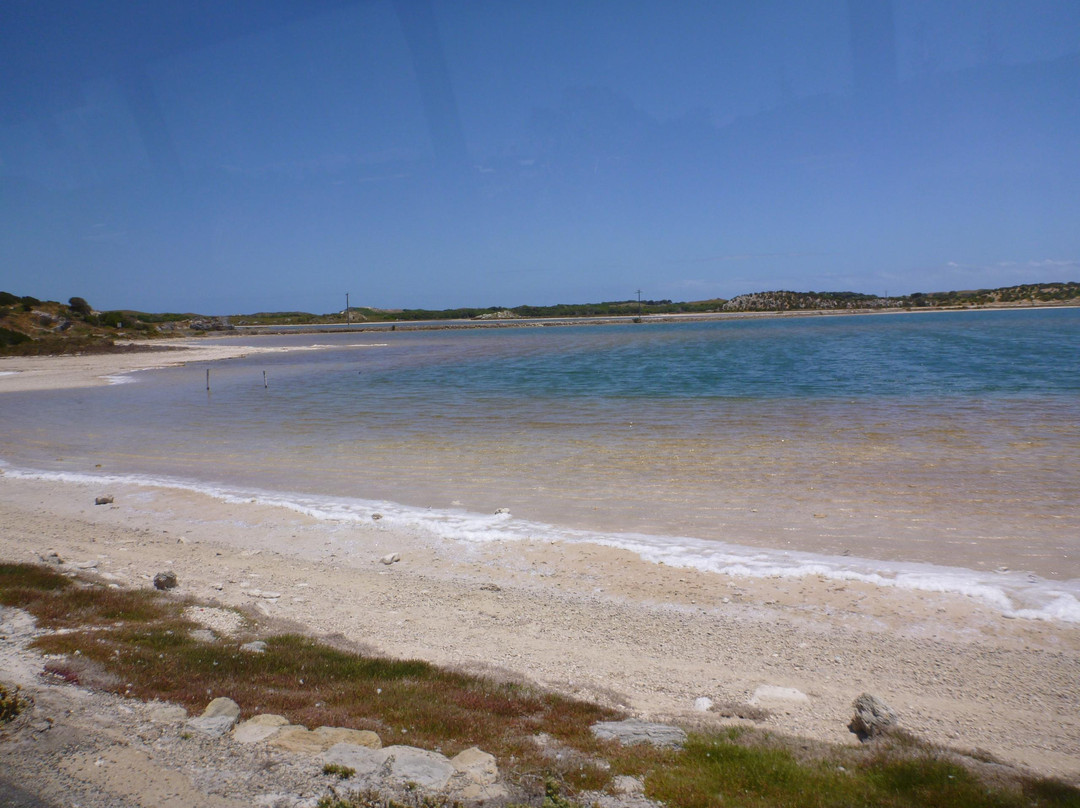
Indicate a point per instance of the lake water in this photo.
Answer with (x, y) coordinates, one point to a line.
(931, 450)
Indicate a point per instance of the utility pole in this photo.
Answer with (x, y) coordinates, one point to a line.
(347, 319)
(639, 303)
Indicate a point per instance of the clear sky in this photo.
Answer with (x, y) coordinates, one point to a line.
(226, 157)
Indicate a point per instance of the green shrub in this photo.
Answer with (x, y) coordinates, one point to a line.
(10, 703)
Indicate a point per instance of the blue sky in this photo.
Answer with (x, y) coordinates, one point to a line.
(269, 154)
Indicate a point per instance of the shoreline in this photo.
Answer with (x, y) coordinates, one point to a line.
(19, 374)
(36, 373)
(624, 319)
(591, 621)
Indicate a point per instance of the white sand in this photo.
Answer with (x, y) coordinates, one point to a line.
(592, 621)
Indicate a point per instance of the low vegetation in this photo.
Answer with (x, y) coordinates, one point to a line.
(11, 704)
(29, 326)
(139, 643)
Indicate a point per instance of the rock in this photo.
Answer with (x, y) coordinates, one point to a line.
(703, 704)
(161, 713)
(633, 731)
(51, 557)
(165, 580)
(398, 765)
(491, 587)
(222, 706)
(625, 784)
(330, 736)
(407, 764)
(259, 728)
(476, 766)
(499, 511)
(872, 717)
(364, 761)
(390, 559)
(314, 742)
(256, 647)
(477, 793)
(376, 517)
(202, 635)
(106, 500)
(85, 565)
(765, 695)
(213, 725)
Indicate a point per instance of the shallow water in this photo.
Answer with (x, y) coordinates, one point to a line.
(945, 438)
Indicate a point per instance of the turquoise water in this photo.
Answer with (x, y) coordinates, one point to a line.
(945, 438)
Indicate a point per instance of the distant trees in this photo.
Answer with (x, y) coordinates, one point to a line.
(80, 307)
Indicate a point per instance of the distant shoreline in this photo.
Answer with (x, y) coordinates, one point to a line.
(622, 319)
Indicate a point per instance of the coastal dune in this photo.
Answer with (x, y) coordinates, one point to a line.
(788, 655)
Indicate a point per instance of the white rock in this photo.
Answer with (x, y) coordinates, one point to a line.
(213, 725)
(222, 706)
(476, 765)
(703, 704)
(259, 728)
(766, 694)
(390, 558)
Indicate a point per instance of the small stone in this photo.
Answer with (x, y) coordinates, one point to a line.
(390, 558)
(105, 500)
(52, 557)
(165, 580)
(872, 717)
(491, 587)
(500, 511)
(255, 647)
(222, 706)
(376, 517)
(703, 704)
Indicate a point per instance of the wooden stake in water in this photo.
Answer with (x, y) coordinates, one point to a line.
(208, 380)
(264, 379)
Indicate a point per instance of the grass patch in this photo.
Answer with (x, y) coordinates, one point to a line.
(10, 703)
(342, 772)
(755, 770)
(138, 643)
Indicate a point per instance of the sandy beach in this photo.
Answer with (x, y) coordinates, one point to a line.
(26, 373)
(584, 619)
(592, 621)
